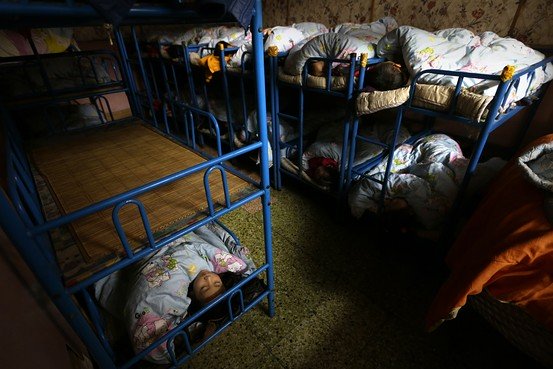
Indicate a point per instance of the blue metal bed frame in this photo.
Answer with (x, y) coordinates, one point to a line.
(346, 96)
(24, 224)
(493, 120)
(172, 87)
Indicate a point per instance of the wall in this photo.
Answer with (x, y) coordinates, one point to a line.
(534, 24)
(34, 334)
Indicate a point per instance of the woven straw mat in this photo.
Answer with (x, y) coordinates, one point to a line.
(92, 166)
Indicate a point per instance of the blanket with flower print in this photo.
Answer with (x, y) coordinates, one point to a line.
(157, 286)
(426, 175)
(458, 49)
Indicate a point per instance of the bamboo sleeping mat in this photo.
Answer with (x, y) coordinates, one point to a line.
(91, 166)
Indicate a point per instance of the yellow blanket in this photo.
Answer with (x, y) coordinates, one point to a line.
(212, 64)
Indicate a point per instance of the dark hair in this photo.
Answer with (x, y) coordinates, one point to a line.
(386, 76)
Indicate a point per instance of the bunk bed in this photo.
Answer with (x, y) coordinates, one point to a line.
(214, 75)
(500, 260)
(291, 73)
(130, 195)
(456, 93)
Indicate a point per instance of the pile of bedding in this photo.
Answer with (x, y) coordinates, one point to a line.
(343, 40)
(425, 176)
(46, 40)
(506, 247)
(370, 32)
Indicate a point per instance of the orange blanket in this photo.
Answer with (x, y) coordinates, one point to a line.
(506, 248)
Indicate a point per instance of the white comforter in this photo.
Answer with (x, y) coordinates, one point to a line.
(458, 49)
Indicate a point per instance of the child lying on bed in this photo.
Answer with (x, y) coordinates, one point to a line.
(323, 158)
(156, 290)
(423, 182)
(386, 76)
(205, 288)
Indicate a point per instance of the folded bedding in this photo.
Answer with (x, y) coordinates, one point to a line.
(506, 247)
(342, 41)
(469, 104)
(425, 176)
(327, 45)
(46, 40)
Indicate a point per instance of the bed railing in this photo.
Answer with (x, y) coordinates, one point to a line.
(355, 79)
(88, 72)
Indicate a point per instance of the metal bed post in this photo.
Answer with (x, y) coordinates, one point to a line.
(132, 92)
(485, 131)
(259, 67)
(229, 110)
(272, 53)
(144, 77)
(276, 125)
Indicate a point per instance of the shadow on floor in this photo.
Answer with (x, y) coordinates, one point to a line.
(349, 295)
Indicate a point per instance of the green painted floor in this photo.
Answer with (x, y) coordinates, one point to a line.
(347, 298)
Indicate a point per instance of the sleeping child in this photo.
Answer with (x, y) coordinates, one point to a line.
(159, 290)
(386, 76)
(322, 159)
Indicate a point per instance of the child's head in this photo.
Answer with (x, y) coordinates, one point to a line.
(207, 286)
(317, 68)
(386, 76)
(325, 176)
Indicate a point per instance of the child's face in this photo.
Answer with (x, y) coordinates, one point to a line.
(207, 286)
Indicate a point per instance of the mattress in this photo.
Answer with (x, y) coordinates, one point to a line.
(83, 168)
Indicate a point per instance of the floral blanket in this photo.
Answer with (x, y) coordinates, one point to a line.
(152, 294)
(370, 32)
(426, 175)
(458, 49)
